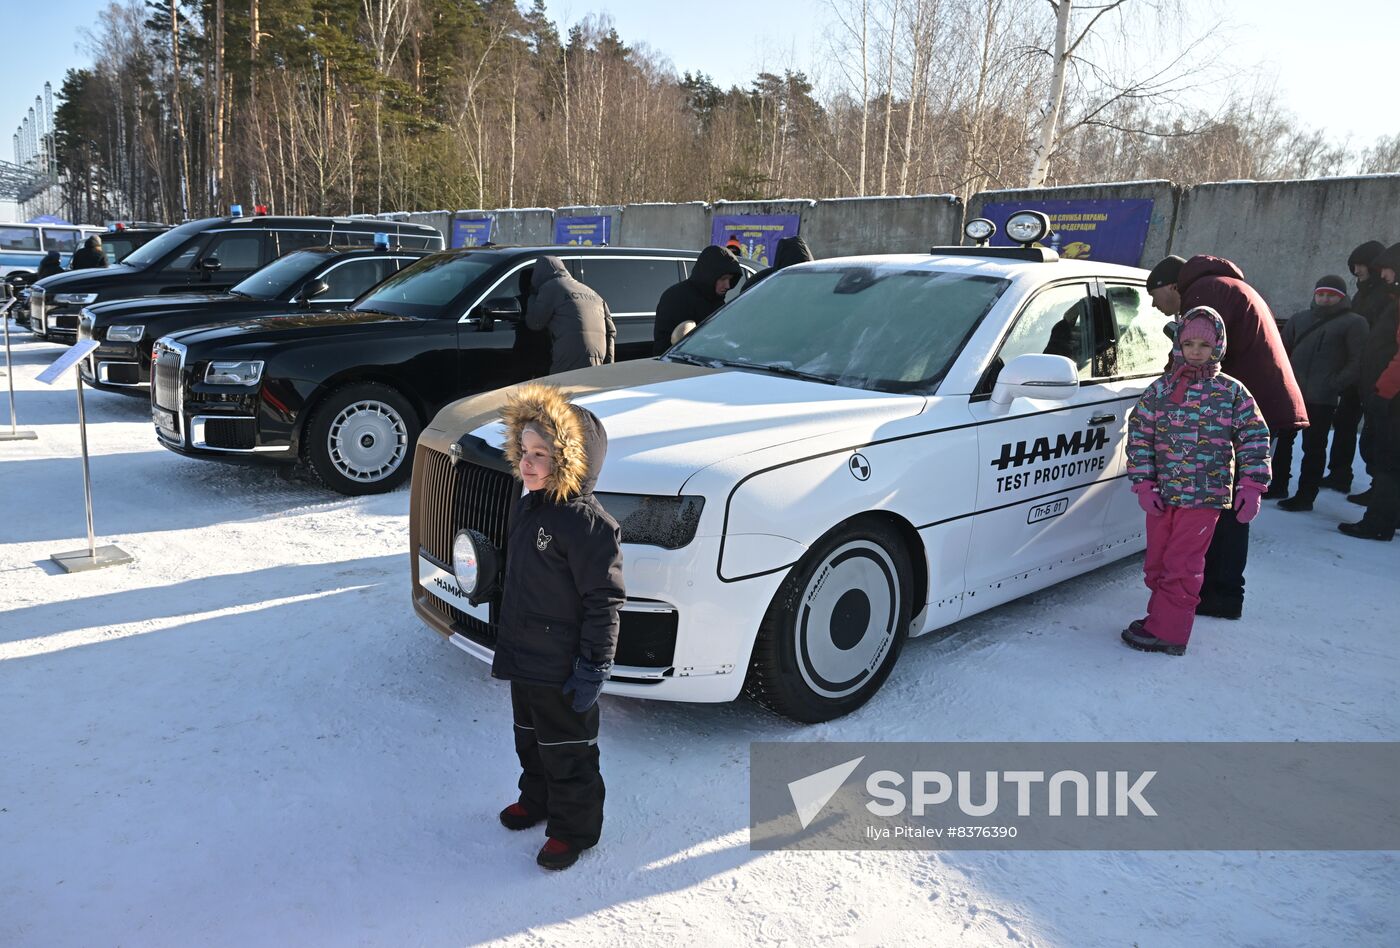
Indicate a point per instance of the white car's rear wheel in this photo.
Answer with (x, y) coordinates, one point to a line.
(836, 625)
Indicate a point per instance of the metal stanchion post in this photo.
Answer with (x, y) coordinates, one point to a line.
(7, 303)
(94, 557)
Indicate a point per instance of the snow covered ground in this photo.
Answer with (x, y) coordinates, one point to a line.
(247, 738)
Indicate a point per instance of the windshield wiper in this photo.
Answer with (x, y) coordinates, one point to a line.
(687, 359)
(790, 372)
(236, 292)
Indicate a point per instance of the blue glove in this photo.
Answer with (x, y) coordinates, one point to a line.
(586, 683)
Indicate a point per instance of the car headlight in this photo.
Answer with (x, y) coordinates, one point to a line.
(76, 299)
(667, 522)
(1026, 227)
(233, 373)
(475, 564)
(125, 333)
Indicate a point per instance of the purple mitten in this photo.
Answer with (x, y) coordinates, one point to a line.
(1247, 501)
(1149, 499)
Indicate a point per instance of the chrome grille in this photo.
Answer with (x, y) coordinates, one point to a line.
(37, 305)
(165, 379)
(457, 496)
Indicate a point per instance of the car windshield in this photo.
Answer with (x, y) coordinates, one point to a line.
(885, 327)
(279, 276)
(427, 288)
(148, 254)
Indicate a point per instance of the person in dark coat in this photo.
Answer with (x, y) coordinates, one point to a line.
(1324, 344)
(790, 250)
(50, 265)
(1379, 384)
(90, 256)
(1368, 300)
(531, 346)
(580, 325)
(715, 272)
(1256, 358)
(561, 594)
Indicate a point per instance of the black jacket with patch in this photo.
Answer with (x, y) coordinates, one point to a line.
(693, 298)
(562, 587)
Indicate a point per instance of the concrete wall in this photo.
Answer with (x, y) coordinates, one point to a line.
(441, 220)
(612, 211)
(846, 226)
(1286, 234)
(680, 226)
(527, 226)
(1163, 194)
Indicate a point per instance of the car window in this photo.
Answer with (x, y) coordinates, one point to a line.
(1057, 321)
(148, 253)
(290, 240)
(64, 241)
(281, 275)
(237, 251)
(429, 288)
(355, 238)
(1143, 345)
(630, 286)
(414, 241)
(348, 280)
(116, 247)
(19, 238)
(883, 326)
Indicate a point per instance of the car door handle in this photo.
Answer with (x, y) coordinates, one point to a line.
(1103, 419)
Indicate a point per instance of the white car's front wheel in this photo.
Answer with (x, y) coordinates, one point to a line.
(835, 626)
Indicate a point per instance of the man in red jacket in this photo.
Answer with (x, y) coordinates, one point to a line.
(1256, 357)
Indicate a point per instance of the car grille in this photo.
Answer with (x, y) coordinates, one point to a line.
(37, 301)
(165, 380)
(237, 433)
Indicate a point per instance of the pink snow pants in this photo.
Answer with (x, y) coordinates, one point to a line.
(1176, 559)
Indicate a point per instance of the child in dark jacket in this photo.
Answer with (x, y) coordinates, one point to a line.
(561, 593)
(1197, 446)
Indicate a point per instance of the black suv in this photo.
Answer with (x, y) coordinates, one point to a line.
(347, 392)
(205, 256)
(304, 280)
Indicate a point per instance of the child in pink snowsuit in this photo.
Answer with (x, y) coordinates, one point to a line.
(1197, 446)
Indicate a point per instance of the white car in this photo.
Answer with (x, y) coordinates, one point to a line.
(860, 449)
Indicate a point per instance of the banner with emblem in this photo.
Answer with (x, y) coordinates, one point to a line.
(1110, 230)
(757, 234)
(471, 231)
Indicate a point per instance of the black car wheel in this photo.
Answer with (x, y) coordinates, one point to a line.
(360, 438)
(836, 625)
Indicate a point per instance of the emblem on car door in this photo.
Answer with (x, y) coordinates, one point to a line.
(859, 467)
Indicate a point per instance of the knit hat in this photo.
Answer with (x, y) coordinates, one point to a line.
(1332, 282)
(1388, 259)
(1165, 273)
(1199, 329)
(1365, 255)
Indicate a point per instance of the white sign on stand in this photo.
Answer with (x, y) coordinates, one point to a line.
(94, 557)
(7, 303)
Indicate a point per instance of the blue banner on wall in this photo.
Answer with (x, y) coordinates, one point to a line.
(1113, 231)
(471, 231)
(583, 231)
(758, 234)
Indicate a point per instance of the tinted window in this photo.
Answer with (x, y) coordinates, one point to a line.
(289, 240)
(1143, 346)
(149, 253)
(116, 247)
(281, 275)
(429, 287)
(629, 286)
(237, 251)
(356, 238)
(1056, 322)
(64, 241)
(348, 280)
(19, 238)
(882, 327)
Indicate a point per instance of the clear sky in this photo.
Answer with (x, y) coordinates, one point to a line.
(1328, 61)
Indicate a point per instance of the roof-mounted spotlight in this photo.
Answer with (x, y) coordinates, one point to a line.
(979, 230)
(1027, 227)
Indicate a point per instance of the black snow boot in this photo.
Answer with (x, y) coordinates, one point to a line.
(1298, 502)
(1145, 641)
(557, 854)
(1277, 490)
(1362, 499)
(516, 817)
(1219, 608)
(1364, 531)
(1337, 482)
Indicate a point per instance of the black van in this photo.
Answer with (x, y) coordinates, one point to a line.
(209, 255)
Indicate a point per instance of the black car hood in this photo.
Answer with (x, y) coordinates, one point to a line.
(290, 327)
(121, 312)
(78, 281)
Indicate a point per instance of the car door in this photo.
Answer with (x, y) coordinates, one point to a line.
(1045, 469)
(1140, 355)
(494, 352)
(631, 285)
(239, 253)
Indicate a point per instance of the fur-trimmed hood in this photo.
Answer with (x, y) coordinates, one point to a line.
(578, 442)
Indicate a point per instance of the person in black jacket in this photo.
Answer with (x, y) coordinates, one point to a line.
(715, 272)
(580, 326)
(90, 256)
(561, 593)
(790, 250)
(50, 265)
(1368, 300)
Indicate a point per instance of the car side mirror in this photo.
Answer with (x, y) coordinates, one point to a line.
(312, 289)
(503, 307)
(683, 330)
(1034, 375)
(210, 264)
